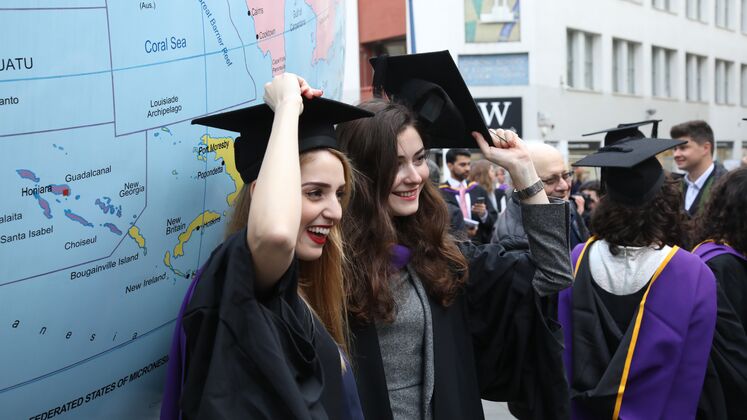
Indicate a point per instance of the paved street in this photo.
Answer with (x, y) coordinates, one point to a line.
(496, 411)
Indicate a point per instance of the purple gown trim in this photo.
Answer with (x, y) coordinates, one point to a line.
(446, 187)
(709, 250)
(669, 361)
(175, 368)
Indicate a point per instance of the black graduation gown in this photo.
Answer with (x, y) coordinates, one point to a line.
(495, 341)
(725, 388)
(252, 356)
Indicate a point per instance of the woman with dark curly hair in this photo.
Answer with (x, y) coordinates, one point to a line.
(639, 319)
(721, 230)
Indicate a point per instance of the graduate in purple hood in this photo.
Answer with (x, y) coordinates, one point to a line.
(639, 320)
(721, 229)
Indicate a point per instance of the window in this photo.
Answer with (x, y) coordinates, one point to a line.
(582, 51)
(662, 72)
(695, 70)
(723, 13)
(744, 85)
(570, 56)
(667, 5)
(696, 10)
(588, 62)
(624, 64)
(392, 47)
(722, 79)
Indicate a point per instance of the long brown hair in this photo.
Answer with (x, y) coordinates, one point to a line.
(370, 230)
(480, 172)
(321, 281)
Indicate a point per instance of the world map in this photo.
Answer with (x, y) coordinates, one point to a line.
(111, 198)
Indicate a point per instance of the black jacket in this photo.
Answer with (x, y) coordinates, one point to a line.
(705, 192)
(498, 340)
(484, 229)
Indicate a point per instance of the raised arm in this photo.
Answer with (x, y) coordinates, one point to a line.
(545, 223)
(506, 150)
(275, 212)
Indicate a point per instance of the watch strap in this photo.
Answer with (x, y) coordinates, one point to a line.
(530, 191)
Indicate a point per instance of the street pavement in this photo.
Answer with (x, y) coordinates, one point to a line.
(496, 411)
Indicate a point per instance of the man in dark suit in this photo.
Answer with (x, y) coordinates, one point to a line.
(477, 210)
(696, 158)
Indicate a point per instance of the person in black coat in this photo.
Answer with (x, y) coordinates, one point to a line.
(696, 158)
(261, 328)
(437, 324)
(721, 229)
(477, 209)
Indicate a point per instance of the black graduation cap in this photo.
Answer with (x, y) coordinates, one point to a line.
(430, 84)
(630, 171)
(627, 130)
(315, 129)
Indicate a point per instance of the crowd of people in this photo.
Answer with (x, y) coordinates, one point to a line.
(354, 284)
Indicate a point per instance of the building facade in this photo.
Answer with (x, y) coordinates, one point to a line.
(554, 70)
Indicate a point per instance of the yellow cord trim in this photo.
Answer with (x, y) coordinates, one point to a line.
(581, 255)
(698, 245)
(634, 339)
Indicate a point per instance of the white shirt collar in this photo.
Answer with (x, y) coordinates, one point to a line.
(454, 183)
(698, 183)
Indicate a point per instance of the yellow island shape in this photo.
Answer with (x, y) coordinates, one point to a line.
(223, 149)
(134, 232)
(207, 218)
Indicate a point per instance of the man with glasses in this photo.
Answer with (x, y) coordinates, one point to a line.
(557, 180)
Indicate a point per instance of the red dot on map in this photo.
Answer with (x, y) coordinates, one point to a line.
(66, 192)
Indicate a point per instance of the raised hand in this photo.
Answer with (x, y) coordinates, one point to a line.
(288, 88)
(506, 150)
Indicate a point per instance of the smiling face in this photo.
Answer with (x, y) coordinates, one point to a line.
(692, 155)
(412, 173)
(550, 167)
(322, 188)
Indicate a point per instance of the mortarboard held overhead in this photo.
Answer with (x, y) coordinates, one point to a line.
(316, 129)
(430, 84)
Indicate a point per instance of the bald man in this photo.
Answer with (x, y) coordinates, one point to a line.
(556, 177)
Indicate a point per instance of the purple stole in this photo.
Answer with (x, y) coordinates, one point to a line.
(657, 370)
(401, 256)
(446, 187)
(708, 249)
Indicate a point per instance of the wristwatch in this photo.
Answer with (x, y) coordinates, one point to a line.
(530, 191)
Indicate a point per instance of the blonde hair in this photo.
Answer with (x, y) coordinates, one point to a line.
(321, 282)
(480, 172)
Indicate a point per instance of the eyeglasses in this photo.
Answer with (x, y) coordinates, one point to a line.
(566, 176)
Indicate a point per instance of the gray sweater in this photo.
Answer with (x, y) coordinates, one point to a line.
(407, 344)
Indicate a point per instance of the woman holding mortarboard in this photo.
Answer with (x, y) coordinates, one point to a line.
(639, 320)
(247, 342)
(721, 229)
(437, 324)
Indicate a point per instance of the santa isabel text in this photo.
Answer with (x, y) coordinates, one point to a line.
(106, 389)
